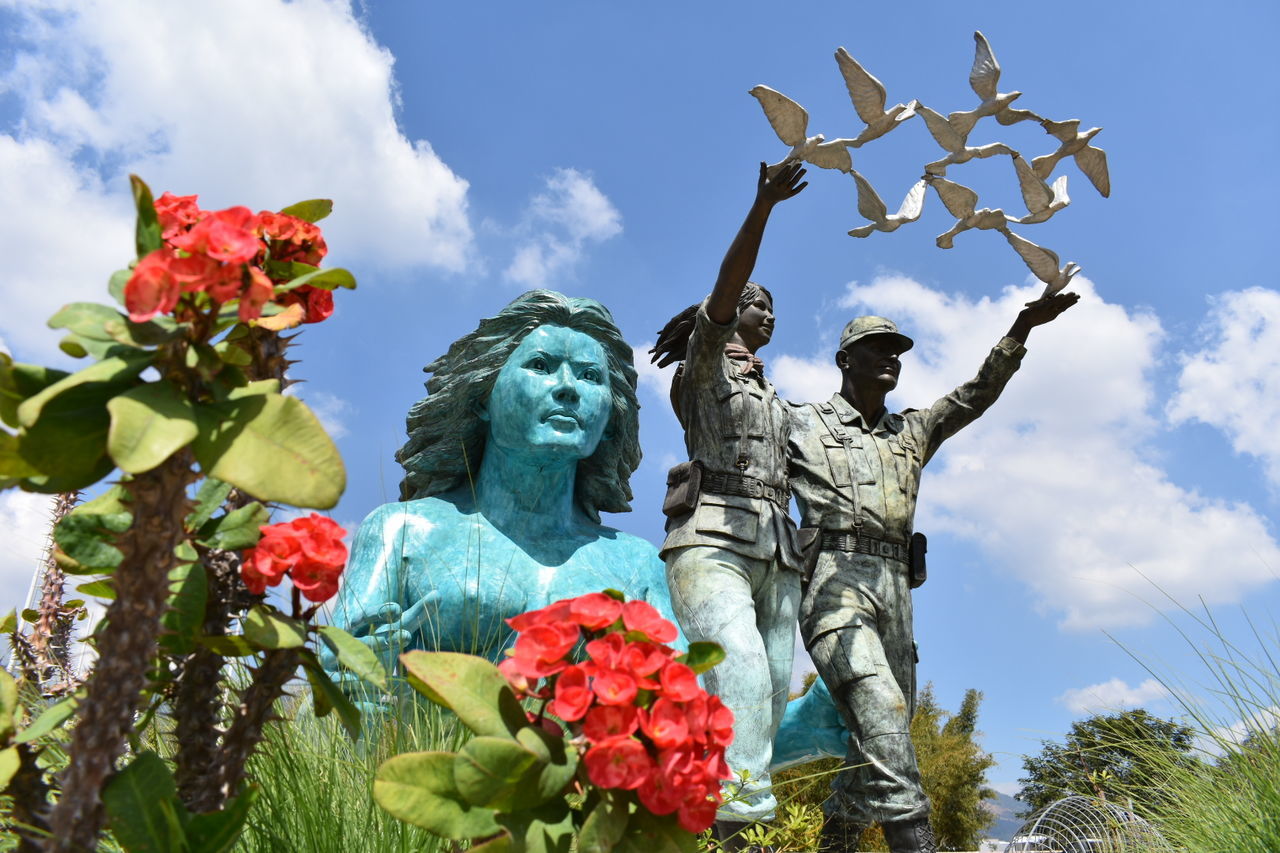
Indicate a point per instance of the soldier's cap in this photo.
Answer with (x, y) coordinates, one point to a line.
(864, 327)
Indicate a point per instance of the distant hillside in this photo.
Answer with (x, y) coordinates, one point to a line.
(1005, 808)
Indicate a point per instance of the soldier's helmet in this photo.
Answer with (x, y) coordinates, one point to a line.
(865, 327)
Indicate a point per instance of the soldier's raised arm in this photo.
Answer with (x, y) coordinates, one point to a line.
(966, 403)
(740, 260)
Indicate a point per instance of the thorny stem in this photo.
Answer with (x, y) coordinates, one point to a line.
(126, 647)
(51, 635)
(245, 733)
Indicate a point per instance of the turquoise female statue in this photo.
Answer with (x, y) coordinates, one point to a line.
(529, 430)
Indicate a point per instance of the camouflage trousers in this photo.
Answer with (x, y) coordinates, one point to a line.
(748, 606)
(855, 619)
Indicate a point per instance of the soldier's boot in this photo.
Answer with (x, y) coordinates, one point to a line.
(731, 835)
(910, 836)
(840, 835)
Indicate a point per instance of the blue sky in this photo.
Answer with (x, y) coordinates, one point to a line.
(610, 150)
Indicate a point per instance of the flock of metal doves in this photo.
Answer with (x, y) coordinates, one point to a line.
(790, 121)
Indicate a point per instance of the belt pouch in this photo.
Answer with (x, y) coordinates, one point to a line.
(915, 557)
(684, 481)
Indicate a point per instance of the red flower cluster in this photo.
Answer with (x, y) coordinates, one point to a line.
(646, 724)
(310, 550)
(224, 254)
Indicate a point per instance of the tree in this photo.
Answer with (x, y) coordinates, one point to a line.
(953, 767)
(1121, 756)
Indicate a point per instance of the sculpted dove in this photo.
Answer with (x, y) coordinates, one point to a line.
(868, 96)
(872, 207)
(953, 141)
(1043, 264)
(791, 122)
(962, 203)
(983, 79)
(1042, 200)
(1091, 159)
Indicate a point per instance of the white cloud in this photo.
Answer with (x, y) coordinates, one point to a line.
(262, 103)
(649, 375)
(330, 409)
(1055, 482)
(559, 223)
(24, 528)
(1112, 695)
(1233, 382)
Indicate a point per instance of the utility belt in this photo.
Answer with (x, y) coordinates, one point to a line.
(689, 479)
(814, 541)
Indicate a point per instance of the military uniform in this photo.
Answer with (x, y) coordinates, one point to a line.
(732, 562)
(857, 482)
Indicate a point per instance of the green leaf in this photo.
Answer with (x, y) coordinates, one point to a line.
(354, 655)
(236, 530)
(147, 235)
(418, 788)
(228, 645)
(50, 718)
(327, 279)
(272, 447)
(647, 833)
(12, 465)
(321, 706)
(8, 706)
(188, 592)
(487, 771)
(142, 807)
(558, 763)
(270, 629)
(148, 425)
(113, 371)
(9, 623)
(549, 829)
(10, 764)
(76, 347)
(209, 497)
(604, 826)
(99, 589)
(311, 210)
(230, 353)
(218, 832)
(115, 284)
(702, 656)
(31, 615)
(20, 381)
(471, 687)
(348, 713)
(205, 360)
(87, 541)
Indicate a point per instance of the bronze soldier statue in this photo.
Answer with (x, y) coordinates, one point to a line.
(731, 556)
(855, 470)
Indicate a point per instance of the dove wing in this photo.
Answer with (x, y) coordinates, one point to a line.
(1035, 194)
(1008, 116)
(985, 74)
(1063, 130)
(959, 200)
(913, 203)
(1044, 166)
(866, 92)
(790, 120)
(1060, 196)
(1042, 262)
(869, 203)
(1093, 162)
(941, 129)
(831, 155)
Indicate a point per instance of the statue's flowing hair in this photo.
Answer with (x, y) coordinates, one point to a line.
(447, 435)
(673, 340)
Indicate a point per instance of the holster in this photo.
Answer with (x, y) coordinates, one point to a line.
(684, 482)
(810, 541)
(915, 558)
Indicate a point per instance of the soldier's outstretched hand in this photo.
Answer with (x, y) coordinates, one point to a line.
(1040, 312)
(781, 186)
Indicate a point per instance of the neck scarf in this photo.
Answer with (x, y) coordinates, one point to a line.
(750, 364)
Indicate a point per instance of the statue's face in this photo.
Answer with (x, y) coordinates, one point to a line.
(871, 360)
(755, 323)
(552, 395)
